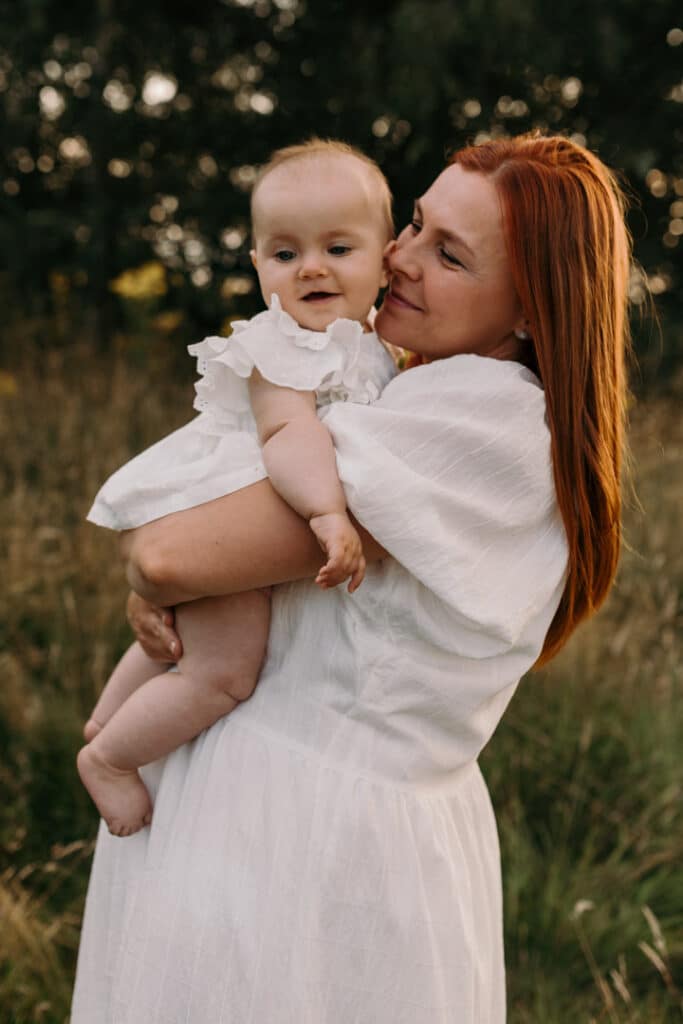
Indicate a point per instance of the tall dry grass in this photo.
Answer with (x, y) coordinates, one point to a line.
(584, 771)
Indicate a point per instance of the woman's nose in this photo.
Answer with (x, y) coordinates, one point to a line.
(400, 257)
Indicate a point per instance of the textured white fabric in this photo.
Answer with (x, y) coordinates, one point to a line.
(218, 452)
(327, 854)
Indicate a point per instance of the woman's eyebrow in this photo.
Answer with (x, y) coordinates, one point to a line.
(452, 236)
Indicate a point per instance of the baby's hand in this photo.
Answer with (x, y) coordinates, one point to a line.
(342, 545)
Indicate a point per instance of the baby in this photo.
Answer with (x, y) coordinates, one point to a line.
(321, 218)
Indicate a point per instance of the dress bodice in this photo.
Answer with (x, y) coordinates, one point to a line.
(407, 678)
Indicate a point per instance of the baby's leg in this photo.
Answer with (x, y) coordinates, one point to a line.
(224, 641)
(134, 669)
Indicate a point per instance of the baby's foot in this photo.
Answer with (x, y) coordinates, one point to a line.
(120, 797)
(90, 730)
(341, 543)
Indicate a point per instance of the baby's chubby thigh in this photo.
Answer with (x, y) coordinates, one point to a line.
(224, 641)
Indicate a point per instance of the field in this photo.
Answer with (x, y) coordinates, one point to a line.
(584, 771)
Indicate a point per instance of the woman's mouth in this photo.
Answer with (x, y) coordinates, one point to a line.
(396, 299)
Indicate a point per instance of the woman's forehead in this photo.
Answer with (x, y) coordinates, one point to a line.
(463, 201)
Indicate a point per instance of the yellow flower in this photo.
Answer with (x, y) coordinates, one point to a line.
(59, 283)
(147, 281)
(168, 320)
(226, 326)
(8, 384)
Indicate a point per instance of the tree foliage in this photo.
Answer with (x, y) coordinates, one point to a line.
(131, 132)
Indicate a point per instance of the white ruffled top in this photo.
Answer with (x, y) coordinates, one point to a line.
(332, 363)
(218, 452)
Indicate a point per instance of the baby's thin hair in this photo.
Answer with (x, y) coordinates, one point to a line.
(330, 147)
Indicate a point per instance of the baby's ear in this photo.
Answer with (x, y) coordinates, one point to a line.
(388, 249)
(254, 261)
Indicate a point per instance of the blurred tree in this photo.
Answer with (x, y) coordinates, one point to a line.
(132, 131)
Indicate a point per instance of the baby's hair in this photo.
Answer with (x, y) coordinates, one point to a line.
(316, 147)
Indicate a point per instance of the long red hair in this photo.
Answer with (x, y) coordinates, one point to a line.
(569, 248)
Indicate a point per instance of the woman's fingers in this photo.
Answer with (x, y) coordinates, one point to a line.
(154, 629)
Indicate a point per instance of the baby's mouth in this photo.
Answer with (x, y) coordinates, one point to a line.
(319, 296)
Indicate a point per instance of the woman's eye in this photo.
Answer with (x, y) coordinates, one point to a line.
(450, 258)
(415, 226)
(284, 255)
(339, 250)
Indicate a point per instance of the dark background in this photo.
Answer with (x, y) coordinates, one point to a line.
(131, 132)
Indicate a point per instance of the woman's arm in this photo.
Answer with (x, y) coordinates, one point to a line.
(250, 538)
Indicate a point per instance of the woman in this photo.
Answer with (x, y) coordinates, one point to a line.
(328, 853)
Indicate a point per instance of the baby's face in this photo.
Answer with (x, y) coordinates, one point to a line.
(319, 240)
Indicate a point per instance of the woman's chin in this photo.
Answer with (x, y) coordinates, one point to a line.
(389, 326)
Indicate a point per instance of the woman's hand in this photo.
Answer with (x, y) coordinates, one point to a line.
(154, 628)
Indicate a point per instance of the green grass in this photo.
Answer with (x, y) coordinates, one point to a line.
(585, 775)
(584, 770)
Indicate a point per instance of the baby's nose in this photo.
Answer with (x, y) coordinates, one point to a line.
(312, 266)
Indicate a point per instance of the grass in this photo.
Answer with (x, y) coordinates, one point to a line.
(584, 770)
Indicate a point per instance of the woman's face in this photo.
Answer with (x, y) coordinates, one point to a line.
(451, 287)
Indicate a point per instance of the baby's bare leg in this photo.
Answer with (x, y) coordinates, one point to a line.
(224, 641)
(134, 669)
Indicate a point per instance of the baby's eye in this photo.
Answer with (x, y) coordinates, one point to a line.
(284, 255)
(339, 250)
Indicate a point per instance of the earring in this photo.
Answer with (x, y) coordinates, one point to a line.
(521, 334)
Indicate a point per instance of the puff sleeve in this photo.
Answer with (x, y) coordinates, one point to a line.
(450, 470)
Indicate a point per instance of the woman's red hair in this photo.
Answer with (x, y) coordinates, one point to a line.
(570, 253)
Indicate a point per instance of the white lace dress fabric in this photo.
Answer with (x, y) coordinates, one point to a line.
(327, 854)
(218, 451)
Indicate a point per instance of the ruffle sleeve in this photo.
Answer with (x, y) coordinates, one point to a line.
(326, 362)
(450, 470)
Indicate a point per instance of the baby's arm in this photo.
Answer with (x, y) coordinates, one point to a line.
(299, 456)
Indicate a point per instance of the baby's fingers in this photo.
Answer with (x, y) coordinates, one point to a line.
(322, 579)
(340, 566)
(358, 576)
(332, 573)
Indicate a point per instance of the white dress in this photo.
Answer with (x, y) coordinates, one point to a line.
(218, 451)
(327, 854)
